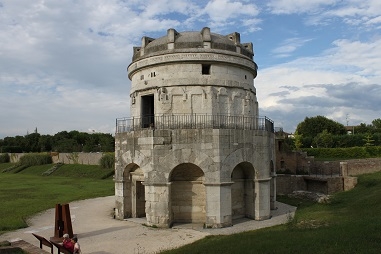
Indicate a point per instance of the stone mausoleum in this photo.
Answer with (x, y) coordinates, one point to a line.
(194, 149)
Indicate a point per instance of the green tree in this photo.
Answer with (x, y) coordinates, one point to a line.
(324, 139)
(368, 140)
(298, 141)
(45, 143)
(31, 142)
(363, 128)
(377, 125)
(312, 126)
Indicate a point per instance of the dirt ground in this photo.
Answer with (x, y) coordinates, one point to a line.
(99, 233)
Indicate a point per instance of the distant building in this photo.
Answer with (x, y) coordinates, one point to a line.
(350, 129)
(194, 149)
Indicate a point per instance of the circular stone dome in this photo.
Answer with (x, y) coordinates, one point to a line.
(193, 40)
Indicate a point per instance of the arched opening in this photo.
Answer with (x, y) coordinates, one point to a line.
(188, 196)
(242, 191)
(134, 192)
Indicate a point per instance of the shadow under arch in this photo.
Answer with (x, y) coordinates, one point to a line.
(188, 195)
(133, 191)
(242, 191)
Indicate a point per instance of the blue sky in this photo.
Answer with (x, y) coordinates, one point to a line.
(63, 63)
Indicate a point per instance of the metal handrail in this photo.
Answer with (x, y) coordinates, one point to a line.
(193, 121)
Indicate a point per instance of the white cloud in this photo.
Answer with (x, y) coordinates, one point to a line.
(63, 63)
(297, 6)
(342, 80)
(324, 12)
(225, 11)
(288, 46)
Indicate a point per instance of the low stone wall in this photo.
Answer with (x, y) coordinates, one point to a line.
(67, 158)
(325, 168)
(354, 167)
(286, 184)
(363, 166)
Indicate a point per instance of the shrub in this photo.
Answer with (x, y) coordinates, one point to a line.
(34, 159)
(345, 153)
(4, 158)
(107, 161)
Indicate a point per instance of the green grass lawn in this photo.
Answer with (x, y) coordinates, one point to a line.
(28, 192)
(351, 223)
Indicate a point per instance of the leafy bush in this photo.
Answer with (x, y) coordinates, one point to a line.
(344, 140)
(345, 153)
(107, 161)
(34, 159)
(4, 158)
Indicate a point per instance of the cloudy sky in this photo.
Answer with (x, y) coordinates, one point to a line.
(63, 63)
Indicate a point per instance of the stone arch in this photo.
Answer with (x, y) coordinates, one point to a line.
(242, 191)
(137, 158)
(235, 158)
(191, 156)
(188, 195)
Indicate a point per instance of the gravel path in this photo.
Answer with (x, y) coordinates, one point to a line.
(99, 233)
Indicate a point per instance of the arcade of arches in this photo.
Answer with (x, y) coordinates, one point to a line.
(187, 198)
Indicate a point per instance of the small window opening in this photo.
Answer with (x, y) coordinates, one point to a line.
(205, 69)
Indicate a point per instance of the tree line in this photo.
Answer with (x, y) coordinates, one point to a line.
(321, 132)
(64, 142)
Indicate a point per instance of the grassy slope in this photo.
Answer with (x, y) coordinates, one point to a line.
(351, 223)
(27, 192)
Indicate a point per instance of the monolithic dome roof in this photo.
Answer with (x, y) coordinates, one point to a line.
(192, 40)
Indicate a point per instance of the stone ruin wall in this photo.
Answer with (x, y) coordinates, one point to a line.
(67, 158)
(286, 184)
(299, 161)
(328, 176)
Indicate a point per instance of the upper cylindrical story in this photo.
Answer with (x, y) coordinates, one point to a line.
(193, 73)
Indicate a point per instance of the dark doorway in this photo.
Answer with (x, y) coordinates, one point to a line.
(140, 200)
(147, 111)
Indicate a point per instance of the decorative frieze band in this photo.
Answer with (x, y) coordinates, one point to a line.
(189, 57)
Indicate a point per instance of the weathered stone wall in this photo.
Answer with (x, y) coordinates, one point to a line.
(216, 152)
(184, 194)
(67, 158)
(292, 162)
(364, 166)
(355, 167)
(325, 168)
(286, 184)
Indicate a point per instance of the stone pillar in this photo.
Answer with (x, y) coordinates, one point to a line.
(262, 201)
(122, 199)
(273, 191)
(218, 205)
(171, 38)
(158, 204)
(343, 168)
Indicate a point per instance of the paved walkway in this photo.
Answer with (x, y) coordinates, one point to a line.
(99, 233)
